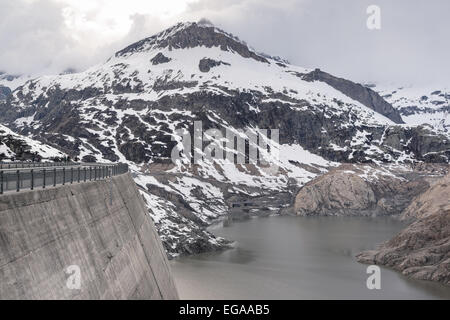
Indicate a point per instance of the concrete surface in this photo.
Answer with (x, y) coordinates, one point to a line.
(103, 227)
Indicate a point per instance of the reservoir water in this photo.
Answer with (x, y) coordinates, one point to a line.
(297, 258)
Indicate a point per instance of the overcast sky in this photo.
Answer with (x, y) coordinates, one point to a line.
(48, 36)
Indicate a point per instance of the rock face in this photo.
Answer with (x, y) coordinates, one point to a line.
(422, 250)
(101, 227)
(360, 190)
(159, 58)
(206, 64)
(435, 199)
(5, 92)
(358, 92)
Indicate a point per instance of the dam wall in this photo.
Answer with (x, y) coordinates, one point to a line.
(92, 240)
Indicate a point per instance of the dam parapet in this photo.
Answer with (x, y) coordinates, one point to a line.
(30, 175)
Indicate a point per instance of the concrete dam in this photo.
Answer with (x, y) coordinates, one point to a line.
(88, 240)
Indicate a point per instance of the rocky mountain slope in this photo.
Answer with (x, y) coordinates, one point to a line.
(420, 104)
(357, 92)
(14, 147)
(129, 108)
(422, 250)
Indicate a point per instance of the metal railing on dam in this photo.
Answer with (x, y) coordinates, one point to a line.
(22, 165)
(29, 176)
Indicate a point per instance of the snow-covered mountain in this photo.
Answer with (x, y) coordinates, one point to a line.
(420, 104)
(17, 147)
(8, 83)
(128, 109)
(13, 81)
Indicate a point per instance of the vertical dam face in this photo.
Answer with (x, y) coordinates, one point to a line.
(92, 240)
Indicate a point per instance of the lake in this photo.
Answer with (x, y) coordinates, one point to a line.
(283, 257)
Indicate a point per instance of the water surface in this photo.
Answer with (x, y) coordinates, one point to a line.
(297, 258)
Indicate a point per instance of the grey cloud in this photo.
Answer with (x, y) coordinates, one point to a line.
(412, 45)
(30, 33)
(35, 40)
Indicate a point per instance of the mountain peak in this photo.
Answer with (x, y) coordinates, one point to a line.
(186, 35)
(205, 22)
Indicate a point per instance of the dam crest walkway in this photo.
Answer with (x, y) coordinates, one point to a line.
(22, 176)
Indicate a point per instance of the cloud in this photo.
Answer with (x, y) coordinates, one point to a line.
(411, 46)
(50, 35)
(30, 34)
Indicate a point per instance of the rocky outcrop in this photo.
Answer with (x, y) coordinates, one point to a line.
(358, 92)
(5, 92)
(435, 199)
(422, 250)
(159, 59)
(360, 190)
(206, 64)
(197, 239)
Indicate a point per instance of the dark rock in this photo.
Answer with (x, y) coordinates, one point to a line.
(5, 92)
(206, 64)
(159, 59)
(365, 95)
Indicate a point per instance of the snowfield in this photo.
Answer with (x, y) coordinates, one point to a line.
(419, 104)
